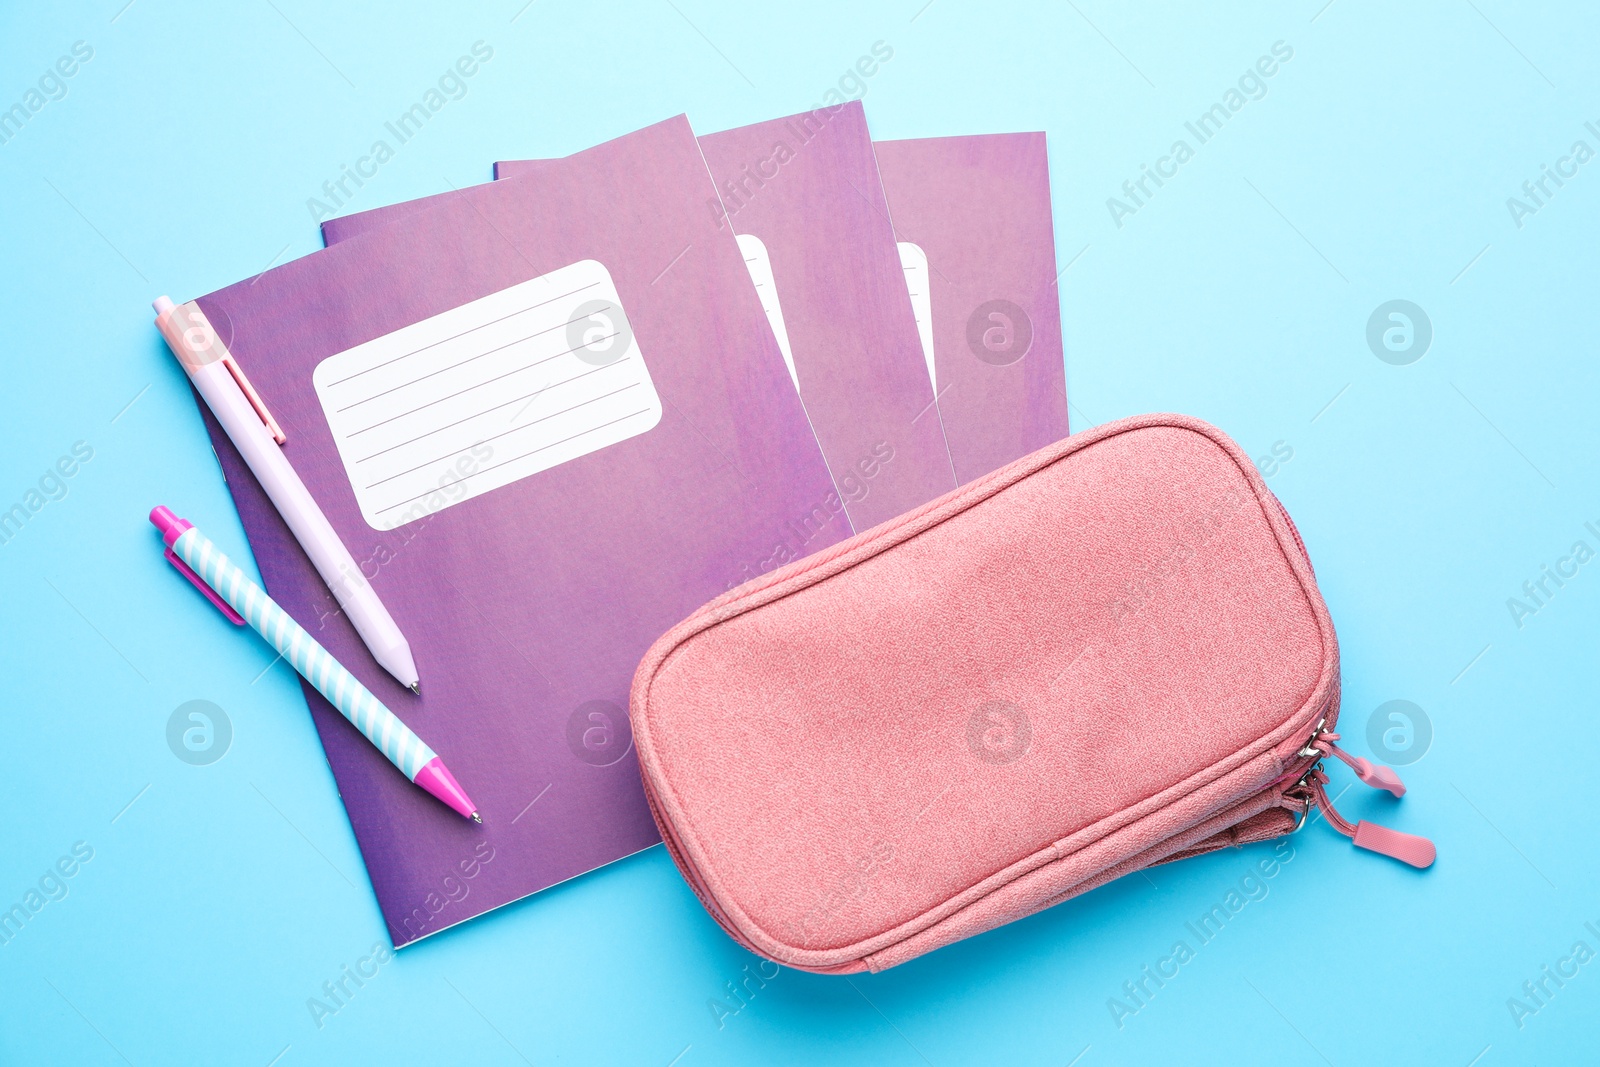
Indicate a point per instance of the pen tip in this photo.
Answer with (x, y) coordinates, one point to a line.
(477, 818)
(416, 687)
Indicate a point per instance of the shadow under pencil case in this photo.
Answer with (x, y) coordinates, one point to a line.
(1109, 654)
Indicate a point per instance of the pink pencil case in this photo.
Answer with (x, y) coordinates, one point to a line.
(1109, 654)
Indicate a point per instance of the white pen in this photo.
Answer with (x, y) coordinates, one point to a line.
(253, 431)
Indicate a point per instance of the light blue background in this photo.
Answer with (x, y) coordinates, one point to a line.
(1377, 167)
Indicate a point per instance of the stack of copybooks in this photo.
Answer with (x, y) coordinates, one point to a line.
(552, 414)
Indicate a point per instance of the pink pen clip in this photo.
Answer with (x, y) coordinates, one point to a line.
(195, 342)
(172, 528)
(254, 397)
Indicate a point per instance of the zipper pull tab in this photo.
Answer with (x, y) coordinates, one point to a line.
(1407, 848)
(1375, 775)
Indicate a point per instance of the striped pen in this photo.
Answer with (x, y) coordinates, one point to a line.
(242, 600)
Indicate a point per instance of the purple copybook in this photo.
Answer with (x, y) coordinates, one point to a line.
(973, 218)
(804, 197)
(549, 420)
(977, 245)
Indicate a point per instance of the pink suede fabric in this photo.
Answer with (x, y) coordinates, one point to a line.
(1101, 656)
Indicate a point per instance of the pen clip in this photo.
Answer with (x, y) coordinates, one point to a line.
(254, 398)
(196, 343)
(199, 583)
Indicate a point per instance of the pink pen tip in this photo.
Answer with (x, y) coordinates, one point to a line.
(436, 778)
(162, 304)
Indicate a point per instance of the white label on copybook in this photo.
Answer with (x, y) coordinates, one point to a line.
(759, 264)
(486, 394)
(914, 264)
